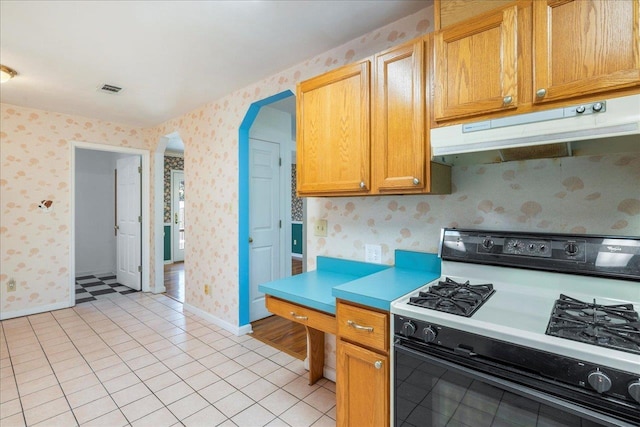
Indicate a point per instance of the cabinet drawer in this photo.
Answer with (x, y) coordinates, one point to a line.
(363, 326)
(301, 314)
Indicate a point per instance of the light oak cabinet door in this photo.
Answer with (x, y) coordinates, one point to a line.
(333, 134)
(362, 387)
(583, 47)
(476, 66)
(398, 145)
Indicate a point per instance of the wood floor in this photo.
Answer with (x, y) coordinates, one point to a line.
(280, 333)
(174, 280)
(285, 335)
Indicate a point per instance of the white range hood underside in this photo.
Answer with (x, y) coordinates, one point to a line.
(553, 133)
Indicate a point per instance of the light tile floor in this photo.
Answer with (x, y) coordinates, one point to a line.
(139, 360)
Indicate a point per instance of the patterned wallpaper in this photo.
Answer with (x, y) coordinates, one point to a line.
(35, 160)
(170, 163)
(596, 194)
(296, 202)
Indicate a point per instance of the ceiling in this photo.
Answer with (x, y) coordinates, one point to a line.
(169, 57)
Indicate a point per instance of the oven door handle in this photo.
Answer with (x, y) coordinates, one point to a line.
(513, 387)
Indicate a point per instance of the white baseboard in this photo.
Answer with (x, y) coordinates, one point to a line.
(159, 290)
(296, 256)
(327, 371)
(35, 310)
(168, 261)
(236, 330)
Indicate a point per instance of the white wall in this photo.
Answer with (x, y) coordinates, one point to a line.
(95, 216)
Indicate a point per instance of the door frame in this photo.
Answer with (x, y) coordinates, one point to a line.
(173, 228)
(146, 214)
(244, 325)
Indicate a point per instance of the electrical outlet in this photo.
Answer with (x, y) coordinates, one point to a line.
(320, 228)
(206, 289)
(11, 285)
(373, 253)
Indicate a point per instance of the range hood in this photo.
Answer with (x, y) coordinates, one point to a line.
(606, 126)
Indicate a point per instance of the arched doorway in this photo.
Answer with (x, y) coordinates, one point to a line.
(244, 207)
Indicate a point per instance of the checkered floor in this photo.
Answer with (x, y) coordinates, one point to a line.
(98, 287)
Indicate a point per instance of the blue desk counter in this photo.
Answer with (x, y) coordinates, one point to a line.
(372, 285)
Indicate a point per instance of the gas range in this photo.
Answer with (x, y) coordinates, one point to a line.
(564, 308)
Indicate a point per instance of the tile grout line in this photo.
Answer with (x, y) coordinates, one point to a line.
(143, 309)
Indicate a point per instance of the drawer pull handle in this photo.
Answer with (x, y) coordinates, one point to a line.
(297, 316)
(378, 364)
(354, 325)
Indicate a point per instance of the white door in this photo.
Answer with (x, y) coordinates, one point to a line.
(177, 217)
(264, 221)
(129, 222)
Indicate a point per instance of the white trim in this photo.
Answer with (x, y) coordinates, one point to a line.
(146, 214)
(327, 371)
(236, 330)
(159, 290)
(174, 235)
(35, 310)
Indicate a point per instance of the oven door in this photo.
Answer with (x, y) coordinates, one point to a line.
(431, 391)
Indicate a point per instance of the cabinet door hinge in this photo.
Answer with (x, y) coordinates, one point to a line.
(139, 269)
(280, 223)
(140, 219)
(139, 169)
(279, 161)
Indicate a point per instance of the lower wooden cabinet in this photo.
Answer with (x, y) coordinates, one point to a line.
(362, 387)
(362, 377)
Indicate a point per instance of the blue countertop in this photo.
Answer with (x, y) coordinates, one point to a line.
(373, 285)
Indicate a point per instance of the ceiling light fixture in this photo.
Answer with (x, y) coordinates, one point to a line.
(6, 73)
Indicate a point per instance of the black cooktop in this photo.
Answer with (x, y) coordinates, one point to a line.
(614, 326)
(452, 297)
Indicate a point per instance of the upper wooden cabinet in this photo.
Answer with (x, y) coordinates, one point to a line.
(518, 57)
(399, 144)
(337, 155)
(476, 65)
(333, 133)
(584, 47)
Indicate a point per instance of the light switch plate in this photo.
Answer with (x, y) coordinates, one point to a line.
(373, 253)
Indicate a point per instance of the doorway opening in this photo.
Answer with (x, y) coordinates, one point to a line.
(109, 248)
(174, 217)
(267, 138)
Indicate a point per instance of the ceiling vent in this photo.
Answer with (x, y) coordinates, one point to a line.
(109, 89)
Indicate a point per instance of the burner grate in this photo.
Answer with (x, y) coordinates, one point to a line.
(452, 297)
(612, 326)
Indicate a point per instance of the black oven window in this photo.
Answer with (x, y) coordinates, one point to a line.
(432, 396)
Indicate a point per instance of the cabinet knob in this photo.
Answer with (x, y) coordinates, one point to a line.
(378, 364)
(507, 100)
(416, 181)
(250, 239)
(362, 185)
(540, 93)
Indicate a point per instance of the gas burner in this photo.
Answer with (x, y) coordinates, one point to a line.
(614, 326)
(452, 297)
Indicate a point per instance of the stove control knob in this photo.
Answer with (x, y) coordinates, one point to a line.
(487, 243)
(599, 381)
(598, 106)
(580, 109)
(408, 328)
(634, 390)
(570, 249)
(430, 334)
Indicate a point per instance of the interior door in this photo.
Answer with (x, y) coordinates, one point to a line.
(264, 221)
(177, 206)
(129, 222)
